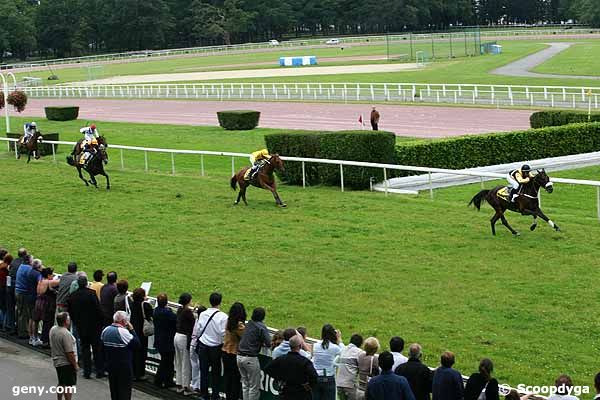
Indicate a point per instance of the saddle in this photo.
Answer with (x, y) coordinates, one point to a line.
(250, 171)
(504, 193)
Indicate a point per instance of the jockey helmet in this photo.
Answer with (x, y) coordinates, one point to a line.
(525, 168)
(33, 125)
(93, 127)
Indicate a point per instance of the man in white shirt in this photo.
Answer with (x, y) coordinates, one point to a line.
(396, 347)
(347, 378)
(211, 332)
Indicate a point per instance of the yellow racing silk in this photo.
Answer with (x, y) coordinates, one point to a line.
(261, 155)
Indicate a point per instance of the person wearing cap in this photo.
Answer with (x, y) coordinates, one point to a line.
(516, 178)
(90, 142)
(29, 130)
(84, 308)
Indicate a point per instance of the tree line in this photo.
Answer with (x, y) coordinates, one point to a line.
(63, 28)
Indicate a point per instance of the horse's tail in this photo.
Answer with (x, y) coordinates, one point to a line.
(233, 182)
(476, 200)
(71, 160)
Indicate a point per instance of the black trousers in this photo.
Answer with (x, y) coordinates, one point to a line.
(120, 381)
(232, 377)
(90, 345)
(210, 358)
(375, 126)
(166, 371)
(139, 358)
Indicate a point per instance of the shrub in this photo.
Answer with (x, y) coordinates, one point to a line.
(499, 148)
(238, 120)
(543, 119)
(45, 148)
(368, 146)
(68, 113)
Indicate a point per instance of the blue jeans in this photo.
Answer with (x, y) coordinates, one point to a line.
(325, 389)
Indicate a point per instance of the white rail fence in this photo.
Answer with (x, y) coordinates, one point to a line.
(300, 43)
(341, 163)
(571, 97)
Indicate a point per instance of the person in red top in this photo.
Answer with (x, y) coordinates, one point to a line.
(6, 259)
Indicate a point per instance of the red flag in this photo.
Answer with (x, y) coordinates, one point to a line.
(360, 121)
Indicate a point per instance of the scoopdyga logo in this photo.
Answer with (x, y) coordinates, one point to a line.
(504, 389)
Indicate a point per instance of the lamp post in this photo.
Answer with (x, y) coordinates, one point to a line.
(5, 86)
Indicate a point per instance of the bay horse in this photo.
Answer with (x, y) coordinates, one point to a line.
(78, 149)
(31, 147)
(264, 179)
(527, 203)
(94, 167)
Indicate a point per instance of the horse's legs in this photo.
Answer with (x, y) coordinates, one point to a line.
(28, 156)
(275, 195)
(239, 196)
(93, 180)
(506, 224)
(107, 180)
(243, 193)
(534, 225)
(82, 178)
(493, 221)
(540, 214)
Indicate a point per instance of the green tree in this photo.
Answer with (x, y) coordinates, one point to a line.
(587, 11)
(17, 32)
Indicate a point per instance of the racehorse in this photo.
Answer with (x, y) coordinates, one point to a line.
(31, 147)
(527, 203)
(95, 166)
(264, 179)
(78, 149)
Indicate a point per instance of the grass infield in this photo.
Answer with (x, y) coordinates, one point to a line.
(429, 271)
(580, 59)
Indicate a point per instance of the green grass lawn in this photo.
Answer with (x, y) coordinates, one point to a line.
(443, 70)
(427, 270)
(580, 59)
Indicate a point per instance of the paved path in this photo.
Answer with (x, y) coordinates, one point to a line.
(418, 121)
(20, 366)
(524, 66)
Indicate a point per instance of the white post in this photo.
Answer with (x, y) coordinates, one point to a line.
(122, 167)
(385, 181)
(173, 163)
(53, 153)
(232, 165)
(430, 186)
(598, 200)
(303, 176)
(5, 86)
(202, 164)
(342, 176)
(482, 182)
(145, 161)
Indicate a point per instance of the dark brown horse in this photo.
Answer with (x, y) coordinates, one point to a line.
(78, 149)
(94, 167)
(527, 203)
(264, 179)
(31, 147)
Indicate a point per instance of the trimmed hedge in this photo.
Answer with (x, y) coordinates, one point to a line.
(238, 120)
(45, 148)
(490, 149)
(369, 146)
(62, 113)
(542, 119)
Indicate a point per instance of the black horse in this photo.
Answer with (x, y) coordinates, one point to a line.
(527, 203)
(94, 166)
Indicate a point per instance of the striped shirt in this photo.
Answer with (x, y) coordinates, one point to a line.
(119, 344)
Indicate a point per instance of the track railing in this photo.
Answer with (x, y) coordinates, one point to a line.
(340, 163)
(569, 97)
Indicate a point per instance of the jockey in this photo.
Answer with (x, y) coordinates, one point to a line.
(29, 130)
(90, 142)
(257, 159)
(516, 178)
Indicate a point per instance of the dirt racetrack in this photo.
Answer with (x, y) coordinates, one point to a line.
(418, 121)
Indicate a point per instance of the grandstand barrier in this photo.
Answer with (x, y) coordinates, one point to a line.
(560, 97)
(303, 161)
(149, 55)
(297, 61)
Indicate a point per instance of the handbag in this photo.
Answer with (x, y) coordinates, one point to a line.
(148, 328)
(482, 395)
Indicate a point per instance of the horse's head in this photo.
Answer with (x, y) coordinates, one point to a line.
(543, 180)
(102, 141)
(103, 153)
(277, 162)
(37, 136)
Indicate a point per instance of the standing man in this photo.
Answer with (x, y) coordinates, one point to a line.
(211, 332)
(119, 340)
(107, 298)
(66, 280)
(387, 385)
(85, 311)
(347, 378)
(447, 382)
(10, 322)
(417, 374)
(295, 371)
(375, 119)
(64, 355)
(25, 296)
(165, 327)
(256, 336)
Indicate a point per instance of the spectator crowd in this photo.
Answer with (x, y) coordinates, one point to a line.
(102, 329)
